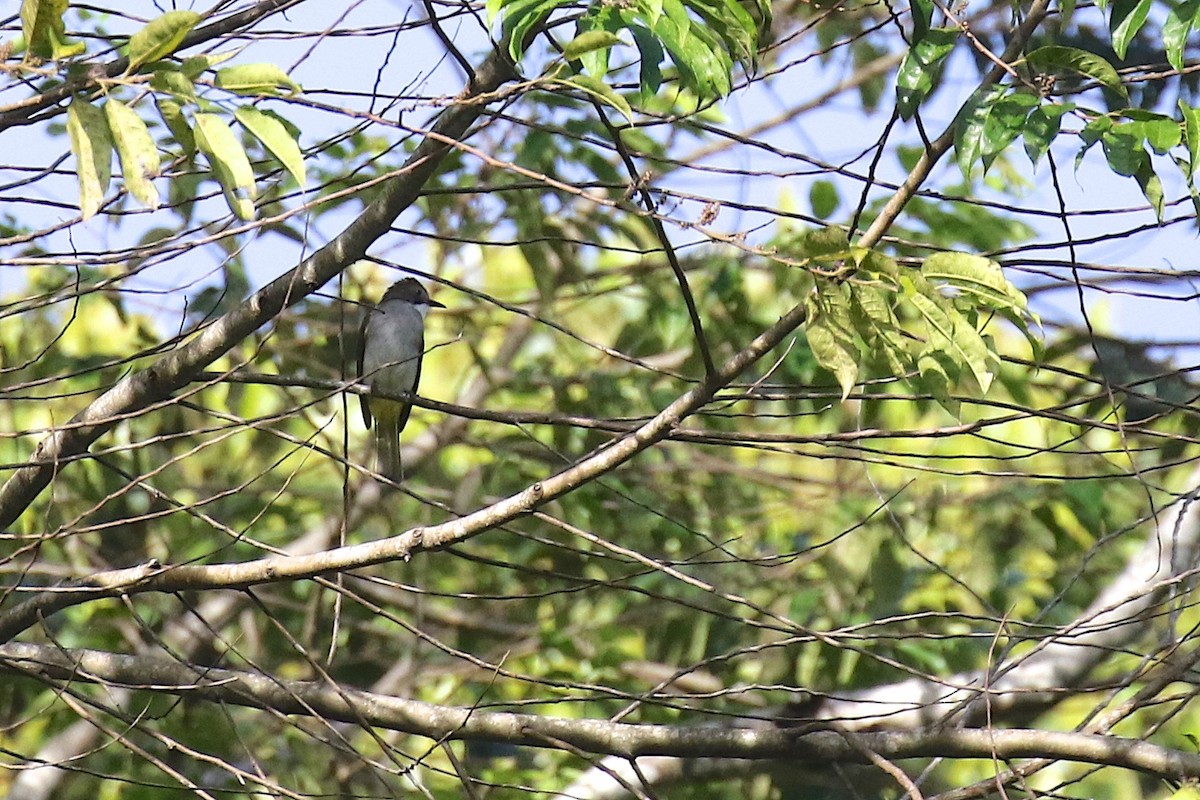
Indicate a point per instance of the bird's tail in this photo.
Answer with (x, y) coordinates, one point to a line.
(387, 448)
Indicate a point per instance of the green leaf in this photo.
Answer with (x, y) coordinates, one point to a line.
(652, 55)
(650, 11)
(518, 18)
(825, 244)
(604, 21)
(173, 82)
(1176, 29)
(1057, 58)
(1123, 150)
(269, 129)
(1191, 131)
(937, 376)
(1096, 128)
(1186, 168)
(172, 114)
(229, 163)
(922, 14)
(704, 66)
(1162, 134)
(733, 25)
(135, 147)
(970, 127)
(921, 69)
(92, 146)
(823, 197)
(1005, 121)
(1151, 187)
(954, 335)
(1127, 18)
(256, 79)
(161, 37)
(877, 326)
(588, 41)
(38, 16)
(878, 265)
(1042, 127)
(195, 66)
(829, 329)
(980, 277)
(599, 90)
(45, 32)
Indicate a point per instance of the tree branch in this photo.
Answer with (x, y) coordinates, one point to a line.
(626, 740)
(23, 113)
(154, 577)
(175, 369)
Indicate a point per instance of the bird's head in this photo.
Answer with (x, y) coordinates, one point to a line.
(410, 290)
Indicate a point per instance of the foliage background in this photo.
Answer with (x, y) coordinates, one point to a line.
(787, 547)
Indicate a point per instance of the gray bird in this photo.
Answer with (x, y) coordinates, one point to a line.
(391, 345)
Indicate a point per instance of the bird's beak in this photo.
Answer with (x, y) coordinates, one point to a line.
(436, 304)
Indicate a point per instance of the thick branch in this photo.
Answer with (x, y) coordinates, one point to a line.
(594, 736)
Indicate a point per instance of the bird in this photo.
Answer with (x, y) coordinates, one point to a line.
(391, 345)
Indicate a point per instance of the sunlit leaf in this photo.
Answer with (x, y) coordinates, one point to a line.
(1123, 149)
(830, 332)
(921, 69)
(878, 327)
(1176, 29)
(1151, 186)
(160, 37)
(269, 129)
(606, 22)
(970, 144)
(136, 150)
(1126, 19)
(194, 66)
(172, 114)
(45, 32)
(954, 335)
(256, 79)
(599, 90)
(1057, 59)
(517, 19)
(879, 265)
(1042, 127)
(978, 276)
(1161, 133)
(704, 66)
(173, 82)
(589, 41)
(228, 161)
(92, 146)
(1191, 129)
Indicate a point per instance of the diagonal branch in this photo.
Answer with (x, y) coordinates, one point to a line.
(175, 369)
(153, 577)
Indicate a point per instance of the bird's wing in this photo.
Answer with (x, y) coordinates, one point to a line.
(363, 403)
(406, 409)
